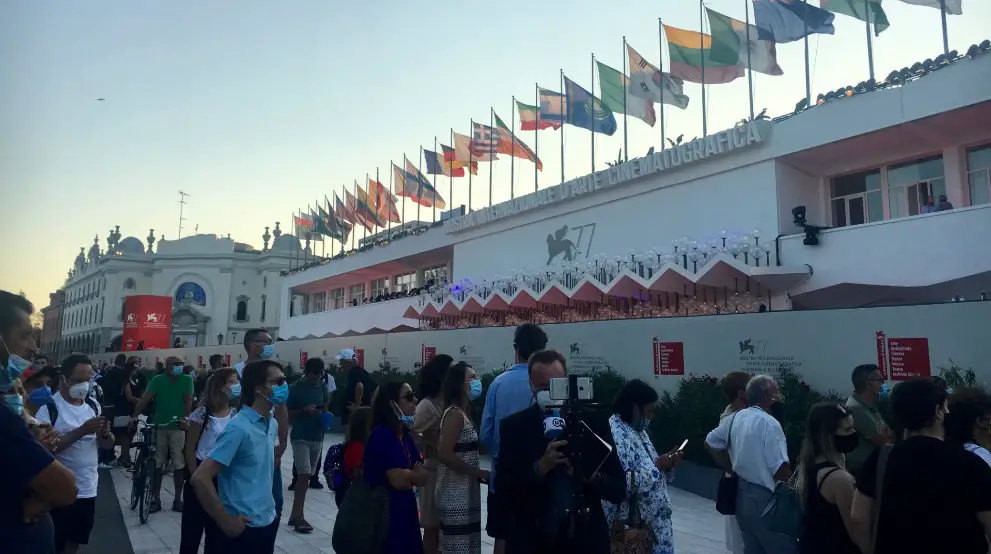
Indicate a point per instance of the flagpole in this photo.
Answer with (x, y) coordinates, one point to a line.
(626, 95)
(364, 228)
(378, 202)
(564, 112)
(471, 153)
(946, 36)
(870, 43)
(705, 127)
(808, 79)
(592, 131)
(450, 176)
(512, 157)
(402, 215)
(491, 150)
(750, 73)
(660, 69)
(419, 185)
(536, 143)
(434, 217)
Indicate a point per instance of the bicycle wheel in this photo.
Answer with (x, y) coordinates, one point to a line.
(147, 472)
(137, 488)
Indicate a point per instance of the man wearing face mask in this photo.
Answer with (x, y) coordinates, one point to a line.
(243, 462)
(259, 346)
(172, 392)
(751, 443)
(872, 431)
(82, 431)
(538, 479)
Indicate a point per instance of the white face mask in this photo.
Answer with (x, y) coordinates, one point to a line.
(545, 402)
(79, 391)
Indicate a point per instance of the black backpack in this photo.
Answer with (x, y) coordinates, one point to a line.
(53, 409)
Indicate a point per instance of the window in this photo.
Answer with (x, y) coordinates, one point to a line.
(979, 174)
(264, 306)
(405, 282)
(337, 299)
(856, 198)
(356, 293)
(379, 287)
(437, 274)
(129, 284)
(912, 184)
(242, 311)
(318, 302)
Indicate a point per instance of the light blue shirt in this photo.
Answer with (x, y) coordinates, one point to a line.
(246, 449)
(508, 393)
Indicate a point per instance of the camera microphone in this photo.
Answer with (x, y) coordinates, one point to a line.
(553, 425)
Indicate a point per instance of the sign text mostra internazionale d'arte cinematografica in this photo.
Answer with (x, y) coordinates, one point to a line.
(723, 142)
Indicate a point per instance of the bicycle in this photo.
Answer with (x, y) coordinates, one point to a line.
(144, 463)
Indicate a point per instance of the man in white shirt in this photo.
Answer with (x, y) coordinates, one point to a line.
(752, 444)
(75, 417)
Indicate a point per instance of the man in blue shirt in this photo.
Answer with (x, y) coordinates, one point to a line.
(509, 393)
(243, 461)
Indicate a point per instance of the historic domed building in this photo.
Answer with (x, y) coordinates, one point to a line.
(219, 288)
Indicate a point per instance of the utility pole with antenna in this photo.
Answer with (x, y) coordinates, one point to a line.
(182, 204)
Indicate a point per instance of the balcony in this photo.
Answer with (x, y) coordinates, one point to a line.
(925, 258)
(364, 318)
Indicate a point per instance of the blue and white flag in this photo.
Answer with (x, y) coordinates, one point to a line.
(553, 108)
(587, 111)
(790, 20)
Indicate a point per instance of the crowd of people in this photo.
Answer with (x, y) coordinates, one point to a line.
(921, 483)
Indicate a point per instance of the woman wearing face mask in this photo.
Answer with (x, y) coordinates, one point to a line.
(426, 428)
(968, 421)
(825, 486)
(633, 408)
(392, 460)
(458, 493)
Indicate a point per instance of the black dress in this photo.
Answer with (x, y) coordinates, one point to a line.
(825, 532)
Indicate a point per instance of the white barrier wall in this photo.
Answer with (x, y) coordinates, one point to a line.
(823, 346)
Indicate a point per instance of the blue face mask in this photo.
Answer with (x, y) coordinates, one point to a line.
(406, 420)
(15, 402)
(16, 365)
(267, 351)
(280, 393)
(40, 396)
(949, 390)
(884, 390)
(177, 370)
(235, 391)
(475, 391)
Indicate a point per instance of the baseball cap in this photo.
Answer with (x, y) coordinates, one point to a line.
(346, 354)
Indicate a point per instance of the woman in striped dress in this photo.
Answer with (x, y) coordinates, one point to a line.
(458, 492)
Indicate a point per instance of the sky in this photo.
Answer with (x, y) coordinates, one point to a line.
(257, 109)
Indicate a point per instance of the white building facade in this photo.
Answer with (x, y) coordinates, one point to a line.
(219, 288)
(690, 229)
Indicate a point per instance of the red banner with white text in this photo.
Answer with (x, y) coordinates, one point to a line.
(147, 322)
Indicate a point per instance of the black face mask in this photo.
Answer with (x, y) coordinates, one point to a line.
(845, 444)
(778, 412)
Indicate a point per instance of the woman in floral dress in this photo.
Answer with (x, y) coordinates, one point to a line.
(635, 404)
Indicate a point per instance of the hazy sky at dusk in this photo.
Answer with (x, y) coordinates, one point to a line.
(257, 108)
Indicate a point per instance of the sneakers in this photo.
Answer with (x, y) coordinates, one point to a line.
(315, 483)
(104, 465)
(156, 506)
(177, 506)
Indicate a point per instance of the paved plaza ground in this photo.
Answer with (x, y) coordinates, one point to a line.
(698, 528)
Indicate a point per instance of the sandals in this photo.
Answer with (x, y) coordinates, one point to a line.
(301, 525)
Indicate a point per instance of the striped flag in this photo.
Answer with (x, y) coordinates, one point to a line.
(510, 144)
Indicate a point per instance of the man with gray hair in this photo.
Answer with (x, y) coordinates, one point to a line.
(751, 444)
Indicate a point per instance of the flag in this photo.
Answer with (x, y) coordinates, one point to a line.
(484, 138)
(729, 37)
(615, 96)
(343, 211)
(510, 144)
(953, 7)
(645, 82)
(337, 217)
(530, 118)
(437, 166)
(382, 202)
(790, 20)
(553, 107)
(689, 50)
(323, 224)
(464, 151)
(304, 226)
(449, 158)
(415, 186)
(587, 111)
(856, 9)
(365, 211)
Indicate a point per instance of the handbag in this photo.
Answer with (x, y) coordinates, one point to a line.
(362, 524)
(632, 536)
(783, 513)
(728, 486)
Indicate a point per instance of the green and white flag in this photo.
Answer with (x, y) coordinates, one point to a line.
(858, 9)
(953, 7)
(729, 37)
(646, 80)
(616, 86)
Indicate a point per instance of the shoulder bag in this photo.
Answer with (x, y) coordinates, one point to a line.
(784, 512)
(882, 465)
(728, 486)
(362, 524)
(632, 536)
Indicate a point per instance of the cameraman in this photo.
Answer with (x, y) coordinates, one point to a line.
(539, 478)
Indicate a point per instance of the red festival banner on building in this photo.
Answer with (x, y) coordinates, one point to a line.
(882, 355)
(359, 355)
(199, 362)
(427, 353)
(227, 360)
(303, 358)
(669, 358)
(147, 322)
(909, 358)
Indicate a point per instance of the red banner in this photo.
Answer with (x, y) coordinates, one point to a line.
(909, 358)
(882, 355)
(669, 358)
(303, 358)
(227, 360)
(359, 355)
(427, 353)
(199, 362)
(147, 322)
